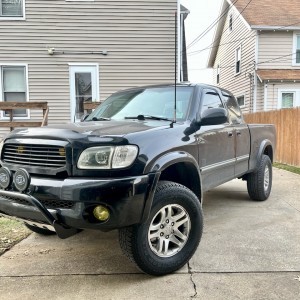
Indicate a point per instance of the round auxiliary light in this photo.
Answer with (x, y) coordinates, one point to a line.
(101, 213)
(21, 180)
(5, 177)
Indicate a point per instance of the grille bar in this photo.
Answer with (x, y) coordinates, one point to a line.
(35, 155)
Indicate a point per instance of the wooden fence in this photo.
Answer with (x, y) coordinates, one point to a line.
(287, 122)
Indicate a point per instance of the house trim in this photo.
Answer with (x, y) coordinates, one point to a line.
(239, 14)
(97, 74)
(295, 35)
(226, 4)
(265, 97)
(279, 28)
(16, 18)
(4, 64)
(295, 91)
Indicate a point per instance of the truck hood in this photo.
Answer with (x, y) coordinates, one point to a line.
(83, 130)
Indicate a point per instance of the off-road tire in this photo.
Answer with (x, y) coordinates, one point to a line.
(259, 183)
(137, 245)
(42, 231)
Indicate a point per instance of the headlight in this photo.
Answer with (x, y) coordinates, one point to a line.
(106, 157)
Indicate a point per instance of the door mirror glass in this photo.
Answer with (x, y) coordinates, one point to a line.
(213, 116)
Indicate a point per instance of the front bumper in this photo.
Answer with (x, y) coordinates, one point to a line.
(67, 204)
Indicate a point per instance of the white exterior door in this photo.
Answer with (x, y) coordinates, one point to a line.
(84, 87)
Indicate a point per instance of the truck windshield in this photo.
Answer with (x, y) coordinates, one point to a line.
(153, 103)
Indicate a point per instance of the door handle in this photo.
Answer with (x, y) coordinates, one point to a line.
(230, 134)
(238, 133)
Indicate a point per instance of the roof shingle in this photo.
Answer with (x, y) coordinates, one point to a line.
(271, 74)
(270, 12)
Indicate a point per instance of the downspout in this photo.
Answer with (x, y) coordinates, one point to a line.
(178, 41)
(266, 97)
(255, 73)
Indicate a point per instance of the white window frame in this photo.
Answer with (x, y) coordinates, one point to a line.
(295, 35)
(243, 95)
(2, 115)
(296, 93)
(236, 60)
(16, 18)
(72, 96)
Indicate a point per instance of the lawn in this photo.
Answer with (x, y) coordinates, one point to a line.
(11, 232)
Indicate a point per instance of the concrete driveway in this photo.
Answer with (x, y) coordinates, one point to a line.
(249, 250)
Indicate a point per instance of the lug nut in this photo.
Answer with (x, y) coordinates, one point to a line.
(172, 223)
(167, 221)
(167, 237)
(162, 234)
(161, 226)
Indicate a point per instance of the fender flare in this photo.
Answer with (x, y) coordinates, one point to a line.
(264, 144)
(162, 163)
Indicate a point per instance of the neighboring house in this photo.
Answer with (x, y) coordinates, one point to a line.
(256, 53)
(69, 51)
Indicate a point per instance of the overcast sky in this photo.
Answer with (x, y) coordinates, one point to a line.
(202, 14)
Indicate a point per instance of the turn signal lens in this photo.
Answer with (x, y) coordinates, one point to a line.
(101, 213)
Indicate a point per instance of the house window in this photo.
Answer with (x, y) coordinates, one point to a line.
(287, 99)
(241, 100)
(230, 23)
(11, 8)
(14, 87)
(238, 60)
(296, 49)
(218, 74)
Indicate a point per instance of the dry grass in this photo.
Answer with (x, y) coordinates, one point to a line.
(11, 233)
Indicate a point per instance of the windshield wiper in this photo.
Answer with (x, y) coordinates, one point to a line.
(99, 119)
(144, 117)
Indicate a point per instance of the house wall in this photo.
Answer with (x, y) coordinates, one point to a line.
(241, 35)
(275, 50)
(275, 87)
(138, 35)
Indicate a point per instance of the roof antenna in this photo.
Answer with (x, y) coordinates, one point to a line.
(175, 86)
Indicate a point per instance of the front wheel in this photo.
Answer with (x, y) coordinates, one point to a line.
(171, 234)
(259, 183)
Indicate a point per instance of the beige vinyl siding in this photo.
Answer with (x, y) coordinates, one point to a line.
(241, 35)
(260, 96)
(273, 89)
(138, 35)
(275, 50)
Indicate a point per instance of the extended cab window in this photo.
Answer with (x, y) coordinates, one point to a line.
(234, 111)
(211, 99)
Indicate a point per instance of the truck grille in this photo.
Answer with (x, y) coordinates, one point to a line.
(44, 156)
(49, 203)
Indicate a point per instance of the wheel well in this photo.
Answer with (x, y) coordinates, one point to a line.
(269, 151)
(185, 174)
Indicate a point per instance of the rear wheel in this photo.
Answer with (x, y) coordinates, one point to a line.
(39, 230)
(171, 234)
(259, 183)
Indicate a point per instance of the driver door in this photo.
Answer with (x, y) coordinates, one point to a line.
(216, 144)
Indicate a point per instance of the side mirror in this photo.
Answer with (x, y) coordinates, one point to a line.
(213, 116)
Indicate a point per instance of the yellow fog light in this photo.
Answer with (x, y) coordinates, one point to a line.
(101, 213)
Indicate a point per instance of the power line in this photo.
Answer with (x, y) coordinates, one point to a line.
(210, 27)
(238, 40)
(233, 21)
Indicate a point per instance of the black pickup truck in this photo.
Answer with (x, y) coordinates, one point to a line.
(140, 163)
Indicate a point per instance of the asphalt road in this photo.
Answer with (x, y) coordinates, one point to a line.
(249, 250)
